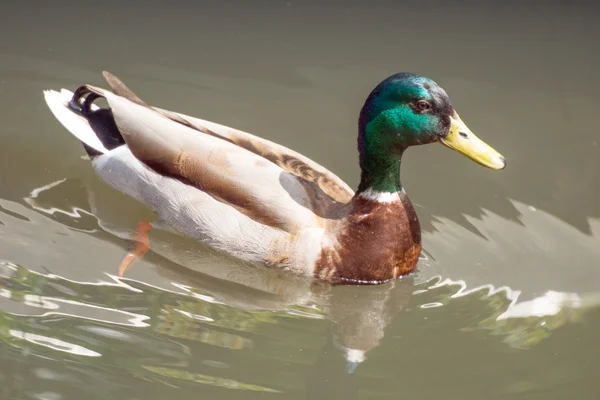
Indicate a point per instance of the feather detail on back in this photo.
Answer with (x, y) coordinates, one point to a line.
(229, 173)
(322, 185)
(310, 185)
(289, 160)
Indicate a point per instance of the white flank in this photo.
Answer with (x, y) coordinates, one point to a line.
(380, 197)
(76, 124)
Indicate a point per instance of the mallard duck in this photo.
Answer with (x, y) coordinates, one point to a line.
(261, 202)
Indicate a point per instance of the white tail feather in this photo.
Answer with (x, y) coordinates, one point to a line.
(76, 124)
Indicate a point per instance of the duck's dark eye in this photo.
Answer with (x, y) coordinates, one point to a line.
(423, 105)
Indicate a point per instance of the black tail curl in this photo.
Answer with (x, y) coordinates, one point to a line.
(101, 121)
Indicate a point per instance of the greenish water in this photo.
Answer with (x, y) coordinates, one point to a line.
(504, 304)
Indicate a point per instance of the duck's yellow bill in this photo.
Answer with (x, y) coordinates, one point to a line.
(464, 141)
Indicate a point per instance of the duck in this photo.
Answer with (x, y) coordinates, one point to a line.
(260, 202)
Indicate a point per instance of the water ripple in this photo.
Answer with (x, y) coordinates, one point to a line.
(210, 380)
(53, 343)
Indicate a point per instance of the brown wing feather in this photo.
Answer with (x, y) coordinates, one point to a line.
(295, 163)
(229, 173)
(325, 193)
(120, 89)
(324, 187)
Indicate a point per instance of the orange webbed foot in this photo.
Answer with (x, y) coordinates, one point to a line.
(142, 246)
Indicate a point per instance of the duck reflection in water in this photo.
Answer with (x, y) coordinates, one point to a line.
(359, 315)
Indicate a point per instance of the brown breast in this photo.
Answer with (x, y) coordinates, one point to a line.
(376, 242)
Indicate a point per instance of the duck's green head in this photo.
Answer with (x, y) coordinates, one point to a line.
(407, 110)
